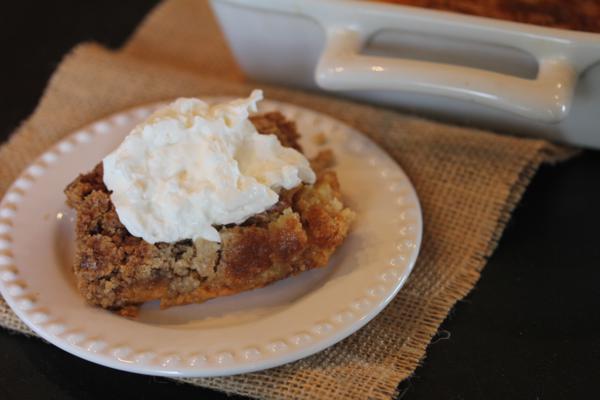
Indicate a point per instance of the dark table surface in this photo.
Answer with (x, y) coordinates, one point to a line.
(529, 330)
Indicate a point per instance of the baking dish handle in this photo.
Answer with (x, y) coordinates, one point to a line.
(546, 99)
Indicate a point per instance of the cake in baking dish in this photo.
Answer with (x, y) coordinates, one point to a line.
(582, 15)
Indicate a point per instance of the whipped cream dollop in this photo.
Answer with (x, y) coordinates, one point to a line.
(191, 166)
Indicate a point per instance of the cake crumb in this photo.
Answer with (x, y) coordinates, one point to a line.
(130, 311)
(320, 139)
(323, 160)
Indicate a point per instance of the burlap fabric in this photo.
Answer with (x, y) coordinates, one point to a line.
(468, 182)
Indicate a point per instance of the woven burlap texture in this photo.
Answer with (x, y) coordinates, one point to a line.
(468, 182)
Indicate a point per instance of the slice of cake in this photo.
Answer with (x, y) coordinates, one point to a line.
(118, 270)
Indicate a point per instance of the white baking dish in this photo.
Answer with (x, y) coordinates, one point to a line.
(510, 77)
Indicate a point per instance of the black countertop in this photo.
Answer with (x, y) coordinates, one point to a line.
(529, 329)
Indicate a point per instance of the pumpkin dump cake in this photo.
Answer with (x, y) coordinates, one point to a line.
(175, 228)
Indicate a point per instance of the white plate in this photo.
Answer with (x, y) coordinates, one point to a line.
(251, 331)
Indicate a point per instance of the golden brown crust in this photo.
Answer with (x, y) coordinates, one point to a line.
(583, 15)
(274, 123)
(118, 271)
